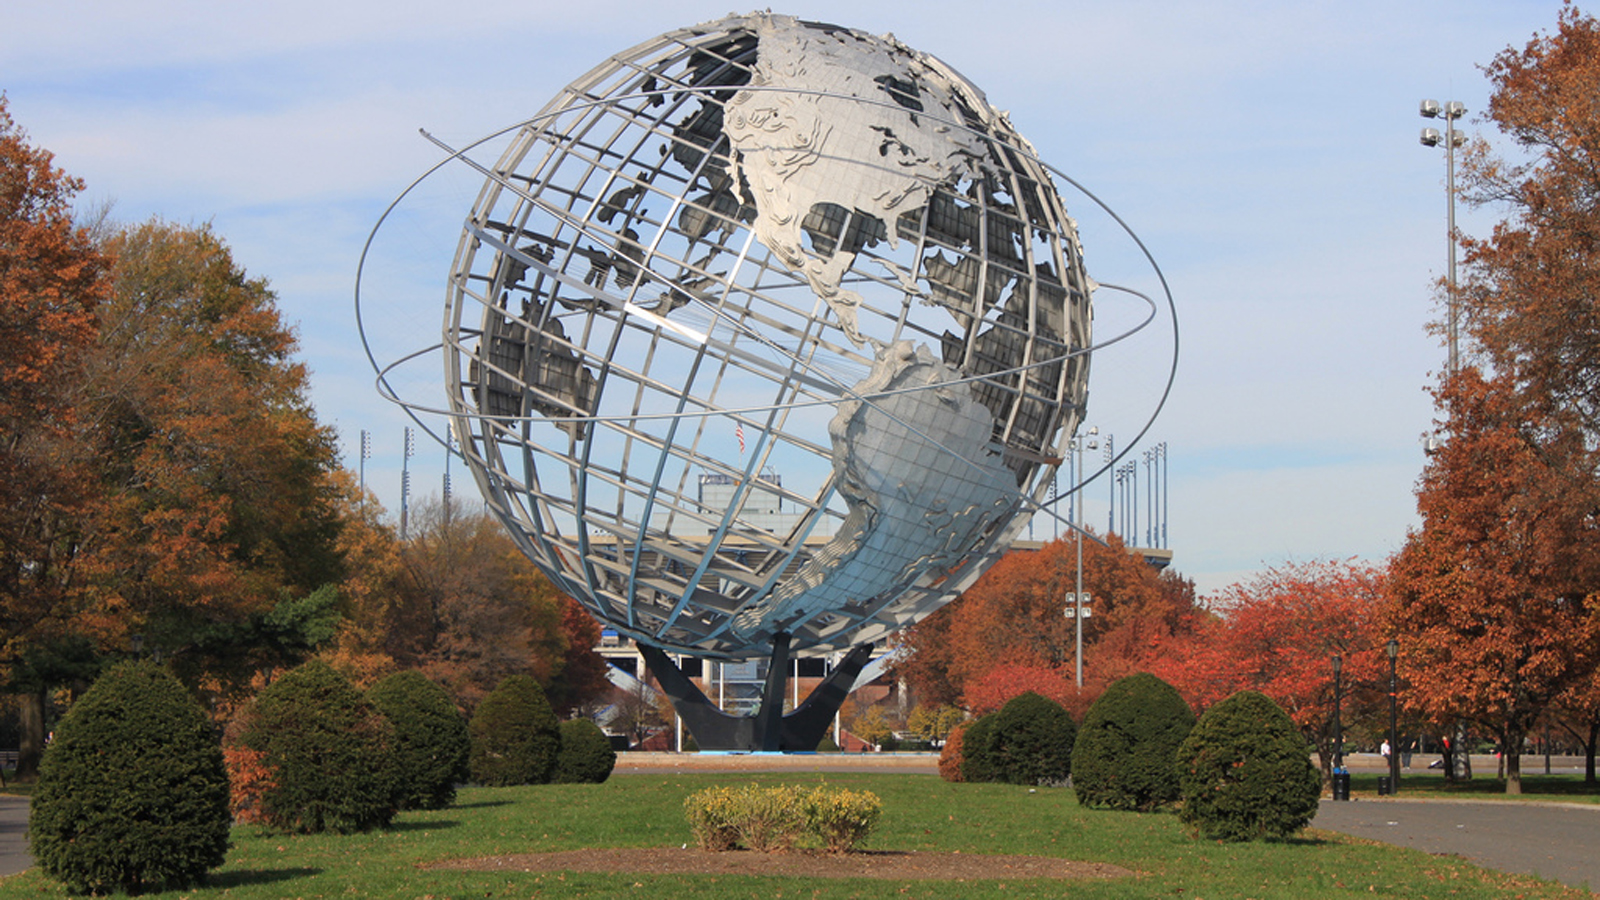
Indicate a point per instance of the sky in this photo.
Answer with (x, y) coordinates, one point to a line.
(1266, 155)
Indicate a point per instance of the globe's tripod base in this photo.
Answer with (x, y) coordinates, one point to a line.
(769, 730)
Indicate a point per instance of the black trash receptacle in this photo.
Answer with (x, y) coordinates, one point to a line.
(1341, 785)
(1384, 789)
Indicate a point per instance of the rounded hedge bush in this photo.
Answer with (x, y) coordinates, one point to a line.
(329, 751)
(976, 762)
(1123, 755)
(431, 741)
(1028, 741)
(1245, 772)
(515, 736)
(586, 756)
(132, 793)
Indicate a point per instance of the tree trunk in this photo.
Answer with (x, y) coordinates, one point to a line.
(1588, 751)
(30, 745)
(1511, 759)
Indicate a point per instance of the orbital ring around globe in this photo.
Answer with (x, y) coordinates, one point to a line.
(417, 409)
(849, 227)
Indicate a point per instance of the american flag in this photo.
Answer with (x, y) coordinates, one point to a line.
(740, 432)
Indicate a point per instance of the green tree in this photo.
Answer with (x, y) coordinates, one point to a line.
(1123, 756)
(1245, 772)
(133, 794)
(431, 741)
(1028, 741)
(515, 736)
(330, 752)
(586, 756)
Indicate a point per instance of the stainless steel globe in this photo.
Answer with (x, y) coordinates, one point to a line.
(766, 331)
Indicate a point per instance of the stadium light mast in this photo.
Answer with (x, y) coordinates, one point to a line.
(1451, 139)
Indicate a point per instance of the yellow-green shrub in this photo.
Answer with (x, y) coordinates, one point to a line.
(711, 814)
(777, 818)
(841, 819)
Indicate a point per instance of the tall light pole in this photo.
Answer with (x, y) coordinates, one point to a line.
(1078, 444)
(1111, 484)
(1451, 139)
(366, 453)
(1393, 649)
(405, 482)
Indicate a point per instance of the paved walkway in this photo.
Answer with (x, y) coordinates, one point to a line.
(14, 835)
(1552, 840)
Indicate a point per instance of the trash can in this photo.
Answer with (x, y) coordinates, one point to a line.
(1384, 789)
(1341, 785)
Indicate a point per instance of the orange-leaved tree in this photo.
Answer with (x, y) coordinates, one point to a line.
(1016, 616)
(52, 281)
(1493, 596)
(1278, 633)
(218, 497)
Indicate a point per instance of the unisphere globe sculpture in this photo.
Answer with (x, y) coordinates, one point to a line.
(766, 336)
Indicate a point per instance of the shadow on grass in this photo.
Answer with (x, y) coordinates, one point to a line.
(430, 825)
(480, 804)
(244, 877)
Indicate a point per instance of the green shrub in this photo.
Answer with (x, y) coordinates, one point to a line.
(132, 793)
(330, 752)
(977, 763)
(1245, 772)
(768, 819)
(1028, 741)
(515, 735)
(1123, 756)
(586, 756)
(431, 742)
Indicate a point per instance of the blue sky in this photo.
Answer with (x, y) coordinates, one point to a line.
(1265, 152)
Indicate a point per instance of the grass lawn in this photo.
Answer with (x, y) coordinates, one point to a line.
(920, 813)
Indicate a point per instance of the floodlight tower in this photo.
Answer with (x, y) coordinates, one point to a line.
(1451, 139)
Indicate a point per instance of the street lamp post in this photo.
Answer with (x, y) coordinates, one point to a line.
(1451, 139)
(1393, 649)
(1338, 729)
(1341, 778)
(1078, 444)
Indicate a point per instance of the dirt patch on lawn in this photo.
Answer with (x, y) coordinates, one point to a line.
(885, 864)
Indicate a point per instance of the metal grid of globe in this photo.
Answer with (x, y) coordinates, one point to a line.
(766, 336)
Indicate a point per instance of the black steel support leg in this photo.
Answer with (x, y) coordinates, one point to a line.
(769, 730)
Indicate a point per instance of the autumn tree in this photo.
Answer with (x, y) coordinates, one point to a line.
(1577, 712)
(217, 498)
(1278, 632)
(459, 602)
(1493, 596)
(1014, 618)
(1529, 291)
(52, 281)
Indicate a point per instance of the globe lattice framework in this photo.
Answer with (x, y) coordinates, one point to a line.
(764, 336)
